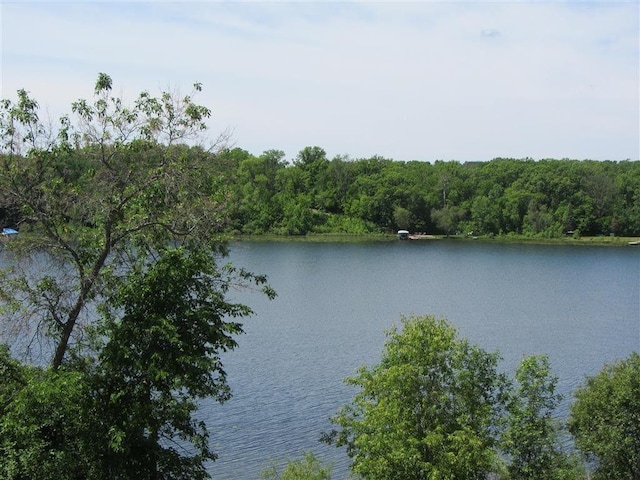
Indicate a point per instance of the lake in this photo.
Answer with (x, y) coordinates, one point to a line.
(578, 304)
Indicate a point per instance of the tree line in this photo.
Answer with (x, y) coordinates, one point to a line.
(114, 309)
(267, 194)
(546, 198)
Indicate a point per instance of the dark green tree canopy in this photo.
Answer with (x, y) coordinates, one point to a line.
(117, 264)
(547, 198)
(605, 419)
(428, 410)
(114, 179)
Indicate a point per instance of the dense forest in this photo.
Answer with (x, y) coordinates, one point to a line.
(546, 198)
(268, 194)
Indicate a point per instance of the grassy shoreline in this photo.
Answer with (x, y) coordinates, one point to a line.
(601, 241)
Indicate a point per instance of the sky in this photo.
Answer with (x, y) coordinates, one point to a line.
(423, 80)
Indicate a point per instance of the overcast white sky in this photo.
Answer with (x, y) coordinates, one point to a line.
(421, 80)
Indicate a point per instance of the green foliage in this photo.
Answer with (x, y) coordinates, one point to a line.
(605, 420)
(49, 428)
(427, 410)
(113, 180)
(164, 331)
(266, 194)
(13, 377)
(531, 438)
(401, 218)
(345, 224)
(128, 411)
(448, 218)
(102, 196)
(307, 468)
(545, 199)
(125, 222)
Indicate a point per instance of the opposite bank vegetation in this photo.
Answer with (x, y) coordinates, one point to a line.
(510, 199)
(545, 199)
(114, 310)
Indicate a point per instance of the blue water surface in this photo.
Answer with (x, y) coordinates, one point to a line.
(580, 305)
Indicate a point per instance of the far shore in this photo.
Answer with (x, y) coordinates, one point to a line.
(604, 241)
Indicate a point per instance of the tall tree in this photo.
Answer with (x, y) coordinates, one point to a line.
(132, 186)
(123, 225)
(429, 409)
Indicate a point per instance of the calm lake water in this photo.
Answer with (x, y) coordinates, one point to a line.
(580, 305)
